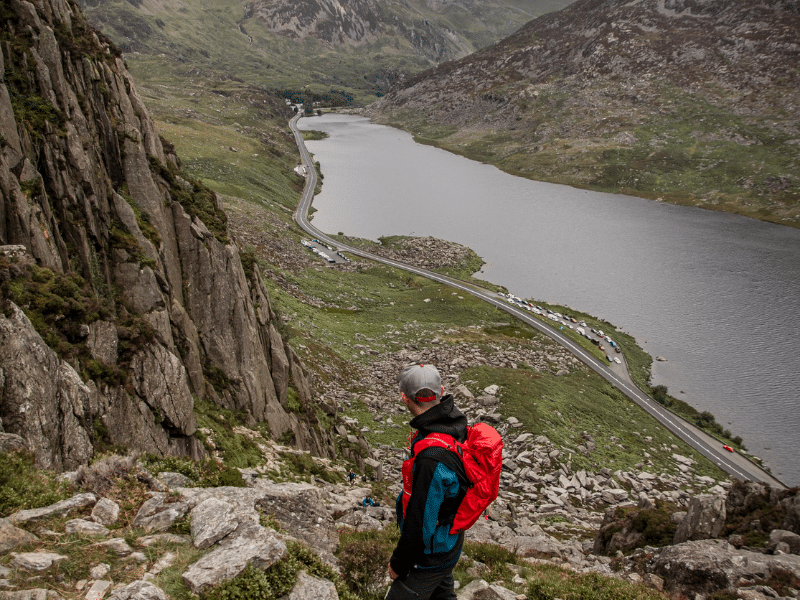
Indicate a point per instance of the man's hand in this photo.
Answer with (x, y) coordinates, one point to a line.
(392, 574)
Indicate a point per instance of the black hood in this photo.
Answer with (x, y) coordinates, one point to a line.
(442, 418)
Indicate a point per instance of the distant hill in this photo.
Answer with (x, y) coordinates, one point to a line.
(357, 46)
(690, 102)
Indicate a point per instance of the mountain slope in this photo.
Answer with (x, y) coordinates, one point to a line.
(685, 101)
(356, 45)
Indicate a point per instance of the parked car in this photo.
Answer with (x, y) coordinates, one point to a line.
(728, 448)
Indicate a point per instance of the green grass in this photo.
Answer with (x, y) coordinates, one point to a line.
(377, 300)
(237, 450)
(23, 487)
(313, 135)
(564, 407)
(233, 138)
(550, 582)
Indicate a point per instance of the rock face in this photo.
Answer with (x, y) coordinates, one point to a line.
(708, 566)
(152, 305)
(704, 519)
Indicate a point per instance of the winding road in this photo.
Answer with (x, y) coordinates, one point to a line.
(735, 464)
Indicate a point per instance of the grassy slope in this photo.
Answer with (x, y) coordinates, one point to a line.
(684, 151)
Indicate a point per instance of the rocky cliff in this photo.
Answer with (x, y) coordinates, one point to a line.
(125, 300)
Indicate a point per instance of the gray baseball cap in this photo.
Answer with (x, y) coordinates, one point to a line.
(418, 377)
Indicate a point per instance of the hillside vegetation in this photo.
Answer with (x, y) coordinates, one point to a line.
(683, 102)
(346, 56)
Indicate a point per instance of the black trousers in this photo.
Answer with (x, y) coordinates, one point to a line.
(423, 584)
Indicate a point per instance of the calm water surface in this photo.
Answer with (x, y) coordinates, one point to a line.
(717, 295)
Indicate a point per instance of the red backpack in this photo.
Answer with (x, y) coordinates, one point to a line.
(482, 457)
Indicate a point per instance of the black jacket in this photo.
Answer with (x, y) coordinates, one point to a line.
(425, 538)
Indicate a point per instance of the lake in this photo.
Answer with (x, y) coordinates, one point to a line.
(717, 295)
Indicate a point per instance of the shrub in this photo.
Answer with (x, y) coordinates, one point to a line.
(249, 259)
(172, 464)
(103, 474)
(496, 559)
(363, 556)
(293, 402)
(215, 475)
(278, 580)
(656, 524)
(550, 582)
(206, 473)
(23, 486)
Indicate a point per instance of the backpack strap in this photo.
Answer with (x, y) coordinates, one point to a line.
(449, 456)
(450, 459)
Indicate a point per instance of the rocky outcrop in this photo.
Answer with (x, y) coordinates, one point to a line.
(43, 398)
(710, 566)
(704, 519)
(149, 305)
(354, 22)
(233, 527)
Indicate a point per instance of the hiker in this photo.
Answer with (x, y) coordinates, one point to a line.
(351, 477)
(426, 553)
(368, 501)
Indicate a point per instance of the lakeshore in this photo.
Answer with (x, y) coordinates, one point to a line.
(739, 468)
(680, 280)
